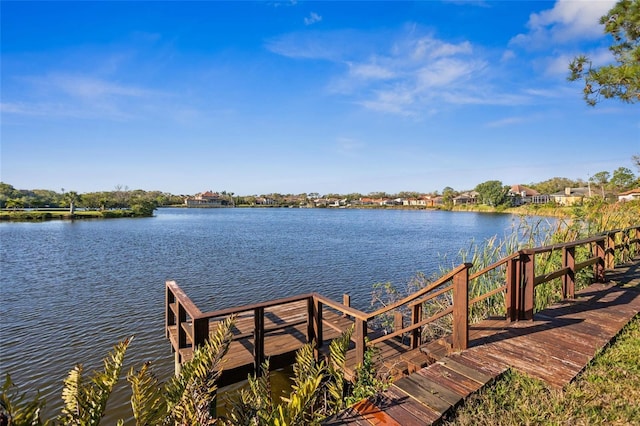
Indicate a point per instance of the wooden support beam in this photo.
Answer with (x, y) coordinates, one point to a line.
(460, 333)
(511, 299)
(317, 326)
(528, 286)
(346, 301)
(416, 333)
(200, 331)
(258, 339)
(610, 257)
(360, 338)
(398, 321)
(599, 267)
(569, 279)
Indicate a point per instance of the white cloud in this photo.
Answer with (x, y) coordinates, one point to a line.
(408, 73)
(567, 21)
(88, 87)
(370, 71)
(77, 95)
(312, 19)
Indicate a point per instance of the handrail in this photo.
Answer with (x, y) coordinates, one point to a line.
(185, 301)
(412, 326)
(560, 246)
(341, 307)
(520, 283)
(494, 265)
(445, 278)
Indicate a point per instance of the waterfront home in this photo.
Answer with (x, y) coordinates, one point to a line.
(207, 199)
(422, 201)
(571, 196)
(634, 194)
(470, 197)
(521, 194)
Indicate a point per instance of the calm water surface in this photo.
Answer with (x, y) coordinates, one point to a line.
(71, 290)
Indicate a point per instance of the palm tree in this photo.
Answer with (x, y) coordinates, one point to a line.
(71, 198)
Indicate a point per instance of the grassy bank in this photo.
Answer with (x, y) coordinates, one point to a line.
(42, 215)
(607, 392)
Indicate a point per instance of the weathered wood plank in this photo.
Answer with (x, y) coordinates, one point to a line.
(471, 373)
(449, 379)
(400, 403)
(422, 395)
(450, 396)
(373, 414)
(473, 359)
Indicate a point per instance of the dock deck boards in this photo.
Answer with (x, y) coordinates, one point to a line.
(555, 347)
(285, 333)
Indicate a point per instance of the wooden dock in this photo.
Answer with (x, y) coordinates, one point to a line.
(555, 347)
(431, 377)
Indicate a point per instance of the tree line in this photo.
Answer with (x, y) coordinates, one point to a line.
(120, 198)
(492, 193)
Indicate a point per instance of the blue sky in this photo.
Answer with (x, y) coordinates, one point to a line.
(292, 97)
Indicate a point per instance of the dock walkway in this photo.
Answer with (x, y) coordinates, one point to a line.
(555, 347)
(432, 377)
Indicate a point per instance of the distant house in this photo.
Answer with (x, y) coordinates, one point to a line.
(571, 196)
(634, 194)
(368, 201)
(470, 197)
(422, 201)
(207, 199)
(521, 194)
(265, 201)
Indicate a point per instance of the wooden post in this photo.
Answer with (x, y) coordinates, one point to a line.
(460, 333)
(626, 245)
(200, 331)
(361, 340)
(608, 256)
(317, 326)
(528, 286)
(311, 327)
(416, 333)
(258, 340)
(170, 316)
(346, 301)
(511, 299)
(569, 280)
(177, 365)
(182, 334)
(397, 321)
(600, 265)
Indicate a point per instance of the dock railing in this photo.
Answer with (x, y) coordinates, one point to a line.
(516, 276)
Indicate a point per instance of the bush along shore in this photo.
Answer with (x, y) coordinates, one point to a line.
(57, 214)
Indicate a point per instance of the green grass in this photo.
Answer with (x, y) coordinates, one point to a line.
(40, 215)
(607, 392)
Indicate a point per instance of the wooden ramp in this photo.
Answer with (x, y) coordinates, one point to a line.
(555, 347)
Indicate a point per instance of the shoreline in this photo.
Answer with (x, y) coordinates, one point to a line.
(47, 215)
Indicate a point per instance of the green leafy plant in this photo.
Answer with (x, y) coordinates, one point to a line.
(17, 409)
(319, 389)
(186, 400)
(85, 400)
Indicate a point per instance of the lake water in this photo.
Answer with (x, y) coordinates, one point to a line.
(71, 290)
